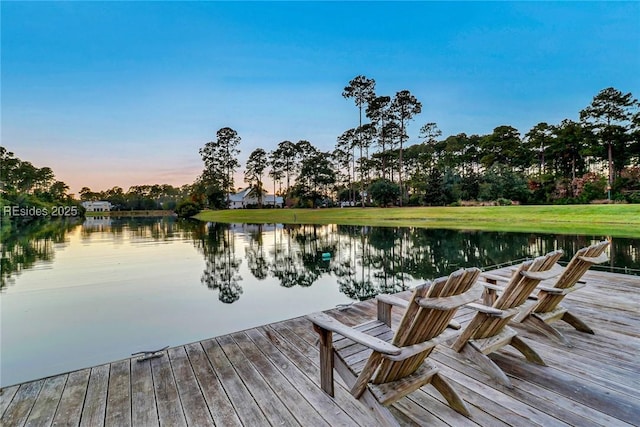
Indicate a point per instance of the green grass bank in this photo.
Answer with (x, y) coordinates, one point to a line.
(616, 220)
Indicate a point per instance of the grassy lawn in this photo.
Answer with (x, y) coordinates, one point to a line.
(607, 220)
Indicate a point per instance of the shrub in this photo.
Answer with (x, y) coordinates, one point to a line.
(187, 209)
(633, 197)
(384, 192)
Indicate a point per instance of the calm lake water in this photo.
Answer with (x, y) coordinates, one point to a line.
(78, 295)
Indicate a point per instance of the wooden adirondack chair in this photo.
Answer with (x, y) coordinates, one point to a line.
(488, 331)
(547, 309)
(380, 372)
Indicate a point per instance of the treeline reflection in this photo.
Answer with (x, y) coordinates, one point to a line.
(24, 245)
(364, 261)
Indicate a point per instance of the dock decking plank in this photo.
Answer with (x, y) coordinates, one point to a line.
(46, 404)
(266, 398)
(433, 401)
(170, 412)
(607, 401)
(18, 410)
(6, 396)
(564, 410)
(95, 402)
(479, 388)
(291, 396)
(419, 415)
(70, 406)
(219, 404)
(119, 402)
(144, 409)
(193, 403)
(248, 411)
(613, 377)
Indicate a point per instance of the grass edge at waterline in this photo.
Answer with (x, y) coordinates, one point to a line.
(616, 220)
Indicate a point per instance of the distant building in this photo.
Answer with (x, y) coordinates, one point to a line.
(99, 206)
(242, 199)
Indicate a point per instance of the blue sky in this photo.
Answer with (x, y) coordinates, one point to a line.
(125, 93)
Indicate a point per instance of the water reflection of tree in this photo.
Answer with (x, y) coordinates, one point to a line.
(23, 245)
(352, 270)
(626, 253)
(299, 260)
(221, 272)
(387, 258)
(254, 253)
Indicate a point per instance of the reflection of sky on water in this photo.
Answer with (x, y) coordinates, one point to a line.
(99, 292)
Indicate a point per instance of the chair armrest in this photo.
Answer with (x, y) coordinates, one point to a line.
(554, 271)
(330, 324)
(393, 300)
(493, 287)
(494, 277)
(561, 291)
(595, 260)
(454, 325)
(492, 311)
(485, 309)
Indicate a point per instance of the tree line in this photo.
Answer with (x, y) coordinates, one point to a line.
(139, 197)
(24, 185)
(594, 157)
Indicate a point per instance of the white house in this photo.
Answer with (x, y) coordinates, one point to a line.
(242, 199)
(99, 206)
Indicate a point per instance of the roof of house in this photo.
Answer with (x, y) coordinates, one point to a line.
(240, 196)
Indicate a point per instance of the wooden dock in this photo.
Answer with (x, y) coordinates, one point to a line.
(269, 375)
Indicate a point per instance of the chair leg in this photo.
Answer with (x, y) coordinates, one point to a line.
(577, 323)
(527, 351)
(486, 364)
(546, 329)
(449, 393)
(326, 359)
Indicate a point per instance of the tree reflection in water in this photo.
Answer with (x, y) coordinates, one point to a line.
(366, 261)
(221, 272)
(363, 261)
(23, 245)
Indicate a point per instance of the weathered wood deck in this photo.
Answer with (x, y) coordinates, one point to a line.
(269, 376)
